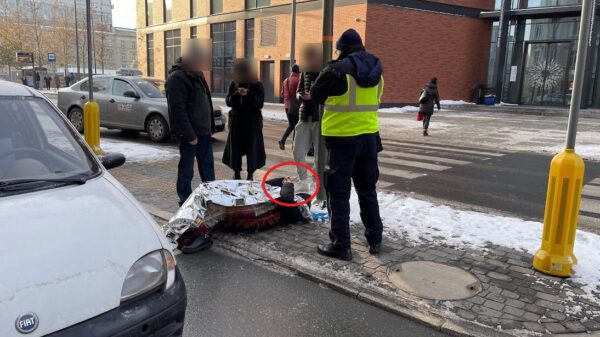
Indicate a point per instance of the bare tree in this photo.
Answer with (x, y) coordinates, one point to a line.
(11, 32)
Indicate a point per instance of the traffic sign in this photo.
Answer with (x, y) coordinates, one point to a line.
(51, 58)
(24, 57)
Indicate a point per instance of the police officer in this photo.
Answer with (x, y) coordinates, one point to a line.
(350, 89)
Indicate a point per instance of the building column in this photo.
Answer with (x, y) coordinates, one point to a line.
(501, 47)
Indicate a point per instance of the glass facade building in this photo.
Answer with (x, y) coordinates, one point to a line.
(541, 49)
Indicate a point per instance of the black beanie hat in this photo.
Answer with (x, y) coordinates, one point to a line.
(295, 68)
(349, 40)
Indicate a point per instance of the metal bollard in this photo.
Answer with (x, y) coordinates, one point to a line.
(91, 126)
(563, 200)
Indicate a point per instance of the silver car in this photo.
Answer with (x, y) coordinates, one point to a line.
(126, 102)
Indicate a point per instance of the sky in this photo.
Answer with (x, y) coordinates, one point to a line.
(124, 13)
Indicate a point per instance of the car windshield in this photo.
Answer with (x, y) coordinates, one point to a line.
(152, 89)
(37, 146)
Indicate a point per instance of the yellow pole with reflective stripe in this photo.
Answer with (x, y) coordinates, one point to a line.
(91, 126)
(565, 182)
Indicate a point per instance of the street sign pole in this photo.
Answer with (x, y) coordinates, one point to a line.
(91, 109)
(565, 182)
(76, 42)
(293, 37)
(328, 6)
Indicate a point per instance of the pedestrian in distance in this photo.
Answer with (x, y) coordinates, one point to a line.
(291, 103)
(57, 81)
(245, 97)
(429, 98)
(37, 80)
(350, 88)
(48, 81)
(191, 115)
(24, 80)
(307, 129)
(71, 78)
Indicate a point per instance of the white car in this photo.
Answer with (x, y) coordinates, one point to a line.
(79, 256)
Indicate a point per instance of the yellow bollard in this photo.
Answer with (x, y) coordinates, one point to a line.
(91, 126)
(563, 200)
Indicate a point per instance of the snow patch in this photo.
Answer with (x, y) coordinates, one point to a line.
(404, 109)
(451, 102)
(587, 151)
(135, 152)
(274, 114)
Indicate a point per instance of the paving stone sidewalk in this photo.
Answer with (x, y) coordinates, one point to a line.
(513, 299)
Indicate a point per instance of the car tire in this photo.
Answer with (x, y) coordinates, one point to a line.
(158, 129)
(76, 118)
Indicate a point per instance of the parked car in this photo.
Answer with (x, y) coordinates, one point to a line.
(126, 102)
(80, 256)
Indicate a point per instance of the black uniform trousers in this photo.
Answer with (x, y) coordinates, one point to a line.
(352, 159)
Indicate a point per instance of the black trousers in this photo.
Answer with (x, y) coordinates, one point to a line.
(292, 121)
(426, 119)
(352, 159)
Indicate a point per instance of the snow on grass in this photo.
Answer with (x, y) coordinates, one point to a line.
(423, 222)
(135, 152)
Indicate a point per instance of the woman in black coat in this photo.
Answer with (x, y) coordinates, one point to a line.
(246, 99)
(426, 107)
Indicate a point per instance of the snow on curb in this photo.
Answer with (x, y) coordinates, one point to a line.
(404, 109)
(423, 222)
(135, 152)
(587, 151)
(274, 114)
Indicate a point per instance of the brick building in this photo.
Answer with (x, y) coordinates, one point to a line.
(416, 39)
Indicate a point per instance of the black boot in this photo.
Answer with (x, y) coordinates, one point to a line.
(425, 133)
(250, 176)
(375, 249)
(237, 175)
(281, 145)
(330, 250)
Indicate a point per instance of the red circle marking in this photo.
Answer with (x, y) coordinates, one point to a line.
(291, 163)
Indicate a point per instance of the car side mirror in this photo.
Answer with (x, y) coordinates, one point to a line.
(131, 94)
(112, 160)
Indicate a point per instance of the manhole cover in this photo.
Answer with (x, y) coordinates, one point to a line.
(434, 281)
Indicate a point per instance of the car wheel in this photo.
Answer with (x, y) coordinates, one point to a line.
(157, 128)
(76, 118)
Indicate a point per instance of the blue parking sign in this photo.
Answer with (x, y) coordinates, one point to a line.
(51, 58)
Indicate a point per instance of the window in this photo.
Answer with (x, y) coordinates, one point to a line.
(122, 44)
(251, 4)
(123, 57)
(168, 10)
(223, 55)
(150, 54)
(100, 85)
(216, 6)
(149, 13)
(268, 32)
(132, 44)
(120, 87)
(193, 8)
(172, 48)
(193, 32)
(249, 44)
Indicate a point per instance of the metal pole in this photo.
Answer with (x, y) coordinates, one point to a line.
(501, 46)
(76, 42)
(328, 6)
(293, 38)
(582, 47)
(88, 17)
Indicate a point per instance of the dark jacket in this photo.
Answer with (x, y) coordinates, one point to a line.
(190, 104)
(245, 127)
(433, 98)
(308, 107)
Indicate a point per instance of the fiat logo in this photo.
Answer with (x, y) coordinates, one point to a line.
(26, 322)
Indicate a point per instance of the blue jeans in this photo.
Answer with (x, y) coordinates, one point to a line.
(203, 154)
(352, 159)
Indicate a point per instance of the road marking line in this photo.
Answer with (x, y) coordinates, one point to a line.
(591, 191)
(434, 147)
(595, 181)
(400, 173)
(590, 205)
(384, 184)
(431, 158)
(417, 164)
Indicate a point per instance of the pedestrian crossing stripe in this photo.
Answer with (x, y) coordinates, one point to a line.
(445, 149)
(591, 191)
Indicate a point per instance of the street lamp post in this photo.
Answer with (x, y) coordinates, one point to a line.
(328, 6)
(91, 109)
(293, 38)
(77, 41)
(565, 183)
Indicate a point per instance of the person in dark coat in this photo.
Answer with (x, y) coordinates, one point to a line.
(433, 98)
(47, 81)
(57, 81)
(291, 103)
(37, 80)
(245, 97)
(192, 118)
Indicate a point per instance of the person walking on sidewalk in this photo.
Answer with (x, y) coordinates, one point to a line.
(246, 97)
(57, 81)
(432, 97)
(291, 103)
(350, 88)
(307, 130)
(192, 117)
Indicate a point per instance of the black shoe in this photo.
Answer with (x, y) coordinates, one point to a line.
(425, 133)
(250, 176)
(375, 249)
(201, 243)
(237, 176)
(281, 145)
(338, 253)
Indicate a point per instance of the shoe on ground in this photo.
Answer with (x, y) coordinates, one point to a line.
(425, 133)
(199, 244)
(375, 249)
(330, 250)
(281, 145)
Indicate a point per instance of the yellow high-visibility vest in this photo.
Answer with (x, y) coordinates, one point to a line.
(353, 113)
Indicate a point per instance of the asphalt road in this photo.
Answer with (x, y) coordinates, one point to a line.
(234, 297)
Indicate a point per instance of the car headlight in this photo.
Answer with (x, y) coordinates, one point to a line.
(148, 273)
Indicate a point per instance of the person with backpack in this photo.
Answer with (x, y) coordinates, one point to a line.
(192, 118)
(291, 103)
(429, 97)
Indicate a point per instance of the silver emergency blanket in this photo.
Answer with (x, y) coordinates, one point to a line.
(209, 203)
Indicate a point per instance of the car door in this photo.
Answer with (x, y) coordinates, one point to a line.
(101, 90)
(122, 108)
